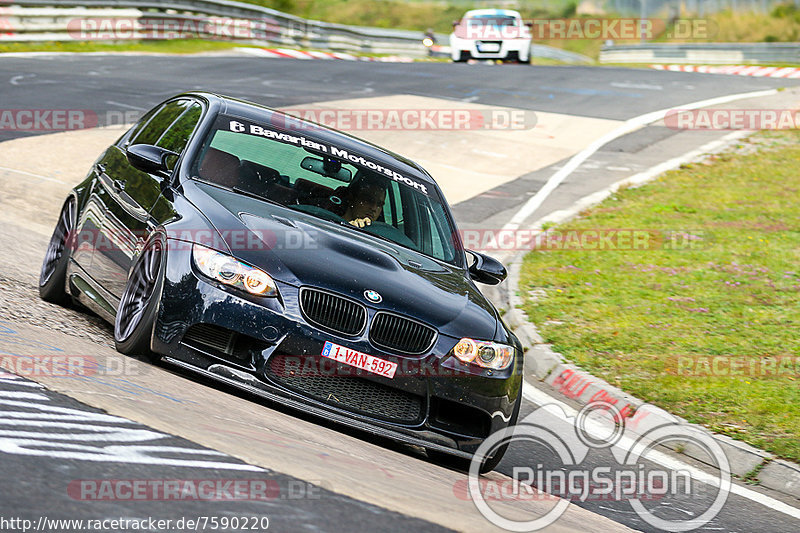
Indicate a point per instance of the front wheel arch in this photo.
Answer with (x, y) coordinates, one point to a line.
(140, 301)
(489, 463)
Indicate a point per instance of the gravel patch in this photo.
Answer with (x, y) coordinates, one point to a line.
(20, 302)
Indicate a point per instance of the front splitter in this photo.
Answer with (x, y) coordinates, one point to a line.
(249, 383)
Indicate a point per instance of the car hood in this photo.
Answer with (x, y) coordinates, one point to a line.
(301, 250)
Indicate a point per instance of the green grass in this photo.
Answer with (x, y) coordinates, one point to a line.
(416, 15)
(782, 24)
(175, 46)
(628, 316)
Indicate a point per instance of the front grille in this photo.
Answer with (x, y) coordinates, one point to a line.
(333, 312)
(400, 334)
(323, 380)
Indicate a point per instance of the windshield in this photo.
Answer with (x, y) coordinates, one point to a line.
(492, 20)
(328, 182)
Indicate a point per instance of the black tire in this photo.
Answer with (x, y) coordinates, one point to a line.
(136, 314)
(461, 57)
(488, 464)
(53, 275)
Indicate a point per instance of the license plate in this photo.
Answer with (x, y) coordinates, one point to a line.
(364, 361)
(490, 47)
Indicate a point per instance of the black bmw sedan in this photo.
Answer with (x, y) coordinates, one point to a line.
(295, 262)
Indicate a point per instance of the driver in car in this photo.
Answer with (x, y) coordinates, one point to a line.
(364, 200)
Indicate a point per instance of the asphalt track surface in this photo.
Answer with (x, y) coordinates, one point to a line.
(34, 489)
(34, 485)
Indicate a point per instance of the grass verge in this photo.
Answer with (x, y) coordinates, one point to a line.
(702, 322)
(174, 46)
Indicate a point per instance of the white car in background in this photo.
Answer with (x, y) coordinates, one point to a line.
(491, 34)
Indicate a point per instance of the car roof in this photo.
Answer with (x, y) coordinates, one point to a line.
(262, 114)
(495, 12)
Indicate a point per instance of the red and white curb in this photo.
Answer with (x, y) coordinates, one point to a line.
(737, 70)
(287, 53)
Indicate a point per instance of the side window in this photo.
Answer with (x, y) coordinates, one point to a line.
(436, 239)
(441, 242)
(392, 207)
(177, 136)
(158, 124)
(131, 133)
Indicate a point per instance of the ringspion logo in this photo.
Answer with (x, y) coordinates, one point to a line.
(622, 469)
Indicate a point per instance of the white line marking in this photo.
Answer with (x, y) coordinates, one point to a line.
(38, 176)
(111, 102)
(628, 126)
(91, 441)
(675, 162)
(540, 398)
(628, 85)
(22, 395)
(490, 154)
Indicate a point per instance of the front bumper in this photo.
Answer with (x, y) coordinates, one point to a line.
(505, 49)
(265, 346)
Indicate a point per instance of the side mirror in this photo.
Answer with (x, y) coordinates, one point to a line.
(150, 159)
(486, 269)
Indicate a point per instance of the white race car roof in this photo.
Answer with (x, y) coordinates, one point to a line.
(492, 12)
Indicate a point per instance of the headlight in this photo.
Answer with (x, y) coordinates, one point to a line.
(484, 353)
(230, 271)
